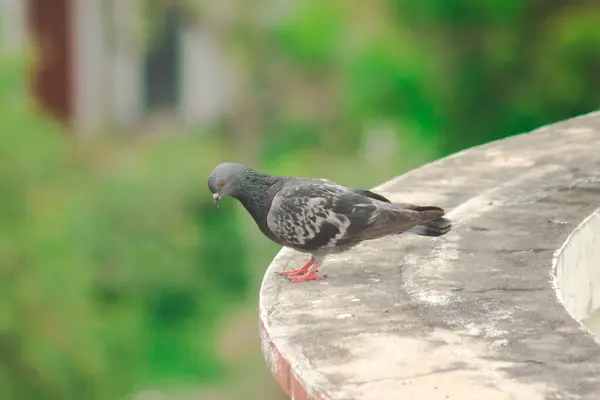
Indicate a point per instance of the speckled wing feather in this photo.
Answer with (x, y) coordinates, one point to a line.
(316, 214)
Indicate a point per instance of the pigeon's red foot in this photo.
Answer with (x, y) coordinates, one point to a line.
(298, 271)
(311, 276)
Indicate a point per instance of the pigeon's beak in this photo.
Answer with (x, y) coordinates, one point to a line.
(216, 198)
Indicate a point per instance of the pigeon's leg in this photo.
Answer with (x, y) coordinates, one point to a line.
(298, 271)
(311, 275)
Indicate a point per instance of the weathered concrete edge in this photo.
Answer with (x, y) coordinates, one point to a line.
(296, 377)
(293, 379)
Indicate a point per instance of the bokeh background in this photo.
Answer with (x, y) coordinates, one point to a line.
(118, 277)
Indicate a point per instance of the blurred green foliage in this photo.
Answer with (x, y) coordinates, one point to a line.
(454, 74)
(115, 267)
(114, 264)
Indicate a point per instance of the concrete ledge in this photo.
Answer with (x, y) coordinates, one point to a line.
(473, 315)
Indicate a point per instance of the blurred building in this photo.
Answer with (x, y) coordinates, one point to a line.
(95, 71)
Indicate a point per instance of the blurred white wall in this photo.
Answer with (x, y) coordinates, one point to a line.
(125, 69)
(90, 64)
(208, 87)
(13, 20)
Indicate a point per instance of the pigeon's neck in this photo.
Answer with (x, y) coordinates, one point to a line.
(255, 192)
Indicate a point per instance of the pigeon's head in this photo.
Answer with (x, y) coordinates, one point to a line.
(225, 179)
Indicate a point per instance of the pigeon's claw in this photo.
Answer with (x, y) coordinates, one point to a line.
(310, 276)
(298, 271)
(293, 272)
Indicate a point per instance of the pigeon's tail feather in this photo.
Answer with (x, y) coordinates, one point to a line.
(437, 227)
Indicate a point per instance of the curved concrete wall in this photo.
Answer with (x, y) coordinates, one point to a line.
(472, 315)
(578, 273)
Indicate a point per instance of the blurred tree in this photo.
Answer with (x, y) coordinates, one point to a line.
(443, 75)
(510, 65)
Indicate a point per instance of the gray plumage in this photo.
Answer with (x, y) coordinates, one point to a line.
(318, 216)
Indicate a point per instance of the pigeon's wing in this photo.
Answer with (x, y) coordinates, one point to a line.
(311, 216)
(370, 194)
(406, 206)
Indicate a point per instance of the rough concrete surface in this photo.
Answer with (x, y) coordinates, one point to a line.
(472, 315)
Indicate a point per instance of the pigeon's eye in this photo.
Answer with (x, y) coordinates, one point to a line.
(221, 183)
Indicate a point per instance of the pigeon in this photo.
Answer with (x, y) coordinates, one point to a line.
(318, 216)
